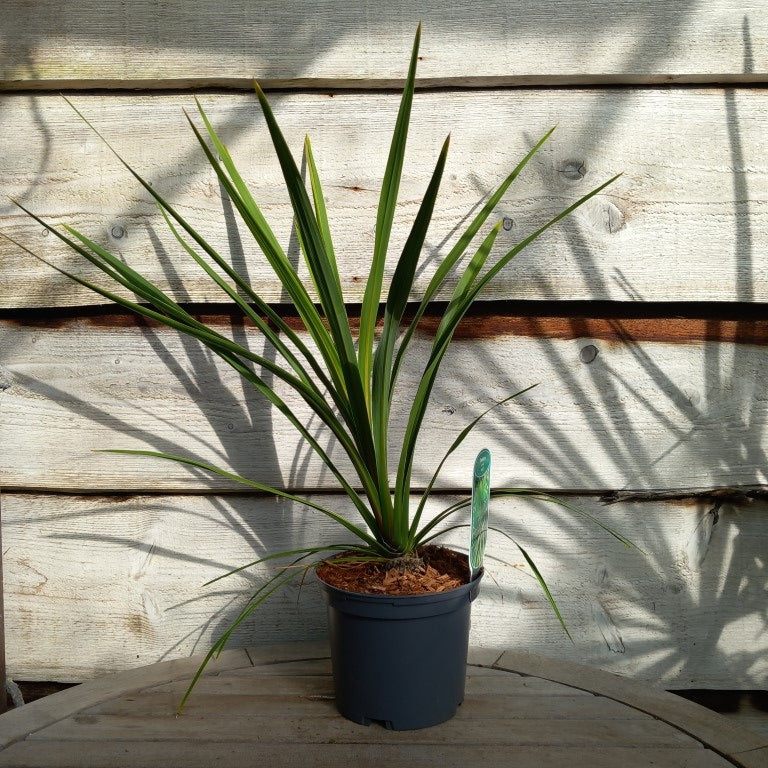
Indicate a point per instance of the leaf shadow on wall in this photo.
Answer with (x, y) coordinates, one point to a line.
(670, 427)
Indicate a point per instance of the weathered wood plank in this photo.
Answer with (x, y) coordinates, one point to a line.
(202, 754)
(747, 708)
(724, 736)
(126, 574)
(757, 758)
(3, 677)
(311, 701)
(490, 684)
(321, 665)
(693, 209)
(265, 729)
(18, 723)
(293, 43)
(610, 413)
(671, 733)
(306, 668)
(751, 717)
(477, 708)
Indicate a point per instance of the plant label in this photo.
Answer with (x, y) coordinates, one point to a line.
(481, 495)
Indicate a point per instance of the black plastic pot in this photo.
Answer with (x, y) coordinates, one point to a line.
(399, 660)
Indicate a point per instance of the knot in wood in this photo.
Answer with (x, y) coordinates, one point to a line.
(574, 170)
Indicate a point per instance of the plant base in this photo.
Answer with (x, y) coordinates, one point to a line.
(399, 660)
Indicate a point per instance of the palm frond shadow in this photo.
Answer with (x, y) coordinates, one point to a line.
(651, 24)
(711, 580)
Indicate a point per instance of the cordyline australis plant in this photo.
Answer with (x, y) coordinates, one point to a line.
(348, 386)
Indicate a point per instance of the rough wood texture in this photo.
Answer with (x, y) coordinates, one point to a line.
(55, 45)
(95, 584)
(657, 407)
(198, 754)
(751, 717)
(728, 738)
(620, 725)
(50, 709)
(3, 676)
(694, 210)
(609, 413)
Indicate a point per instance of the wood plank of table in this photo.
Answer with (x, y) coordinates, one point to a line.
(201, 754)
(298, 728)
(723, 735)
(18, 723)
(319, 685)
(641, 739)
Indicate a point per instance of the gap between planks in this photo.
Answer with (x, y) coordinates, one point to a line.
(324, 84)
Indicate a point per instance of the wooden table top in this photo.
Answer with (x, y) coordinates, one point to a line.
(274, 707)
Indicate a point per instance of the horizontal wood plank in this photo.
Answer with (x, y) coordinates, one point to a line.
(480, 682)
(202, 754)
(18, 723)
(693, 208)
(669, 731)
(127, 572)
(610, 411)
(726, 737)
(265, 729)
(309, 703)
(295, 43)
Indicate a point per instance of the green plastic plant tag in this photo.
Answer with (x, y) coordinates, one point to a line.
(481, 496)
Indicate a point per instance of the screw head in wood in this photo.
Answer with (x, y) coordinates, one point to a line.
(588, 354)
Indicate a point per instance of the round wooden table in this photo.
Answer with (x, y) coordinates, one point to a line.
(273, 707)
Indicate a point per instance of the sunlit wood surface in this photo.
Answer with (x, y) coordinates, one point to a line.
(274, 706)
(641, 317)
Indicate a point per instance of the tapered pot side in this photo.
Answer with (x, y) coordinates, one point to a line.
(399, 659)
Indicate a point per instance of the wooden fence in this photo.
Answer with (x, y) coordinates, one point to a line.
(640, 316)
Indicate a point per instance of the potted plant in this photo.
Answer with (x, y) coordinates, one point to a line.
(406, 654)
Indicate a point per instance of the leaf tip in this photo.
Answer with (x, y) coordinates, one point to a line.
(416, 44)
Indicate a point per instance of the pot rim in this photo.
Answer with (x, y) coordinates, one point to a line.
(472, 585)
